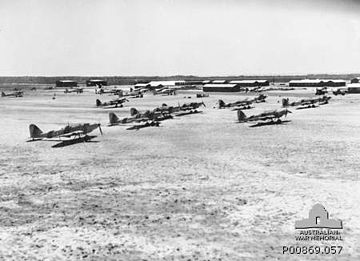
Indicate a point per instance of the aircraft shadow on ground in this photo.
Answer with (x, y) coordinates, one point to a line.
(65, 143)
(260, 124)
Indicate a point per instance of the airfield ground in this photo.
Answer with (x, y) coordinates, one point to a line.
(200, 187)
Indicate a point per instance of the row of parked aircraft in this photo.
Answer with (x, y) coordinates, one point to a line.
(270, 117)
(72, 134)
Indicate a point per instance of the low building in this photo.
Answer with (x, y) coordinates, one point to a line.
(355, 80)
(227, 87)
(166, 83)
(251, 83)
(220, 81)
(95, 82)
(66, 83)
(206, 82)
(141, 85)
(354, 88)
(317, 83)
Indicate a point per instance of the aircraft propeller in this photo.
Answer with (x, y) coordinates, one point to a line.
(101, 132)
(286, 112)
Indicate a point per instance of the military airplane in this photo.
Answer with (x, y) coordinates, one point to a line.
(76, 90)
(13, 94)
(72, 133)
(306, 103)
(242, 104)
(158, 114)
(131, 94)
(115, 103)
(265, 118)
(164, 91)
(147, 116)
(321, 91)
(339, 92)
(189, 108)
(101, 90)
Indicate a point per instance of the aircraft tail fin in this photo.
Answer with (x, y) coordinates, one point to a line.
(133, 111)
(241, 116)
(3, 94)
(113, 119)
(221, 103)
(285, 102)
(98, 102)
(35, 131)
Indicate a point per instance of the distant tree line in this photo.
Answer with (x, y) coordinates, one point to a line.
(129, 80)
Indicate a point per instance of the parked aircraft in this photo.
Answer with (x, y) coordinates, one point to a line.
(158, 114)
(306, 103)
(101, 90)
(265, 118)
(189, 107)
(242, 104)
(138, 117)
(72, 133)
(164, 91)
(77, 90)
(115, 103)
(321, 91)
(339, 92)
(131, 94)
(13, 94)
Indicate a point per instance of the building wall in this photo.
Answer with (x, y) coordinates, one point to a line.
(221, 89)
(354, 90)
(317, 84)
(66, 84)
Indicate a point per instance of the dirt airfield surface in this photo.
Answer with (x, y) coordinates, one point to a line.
(199, 187)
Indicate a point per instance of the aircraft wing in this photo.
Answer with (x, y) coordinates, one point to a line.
(261, 118)
(71, 134)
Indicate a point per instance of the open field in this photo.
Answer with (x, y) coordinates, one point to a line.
(200, 187)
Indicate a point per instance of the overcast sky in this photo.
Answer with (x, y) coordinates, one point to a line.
(171, 37)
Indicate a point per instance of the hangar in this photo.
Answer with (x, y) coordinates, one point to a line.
(228, 87)
(66, 83)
